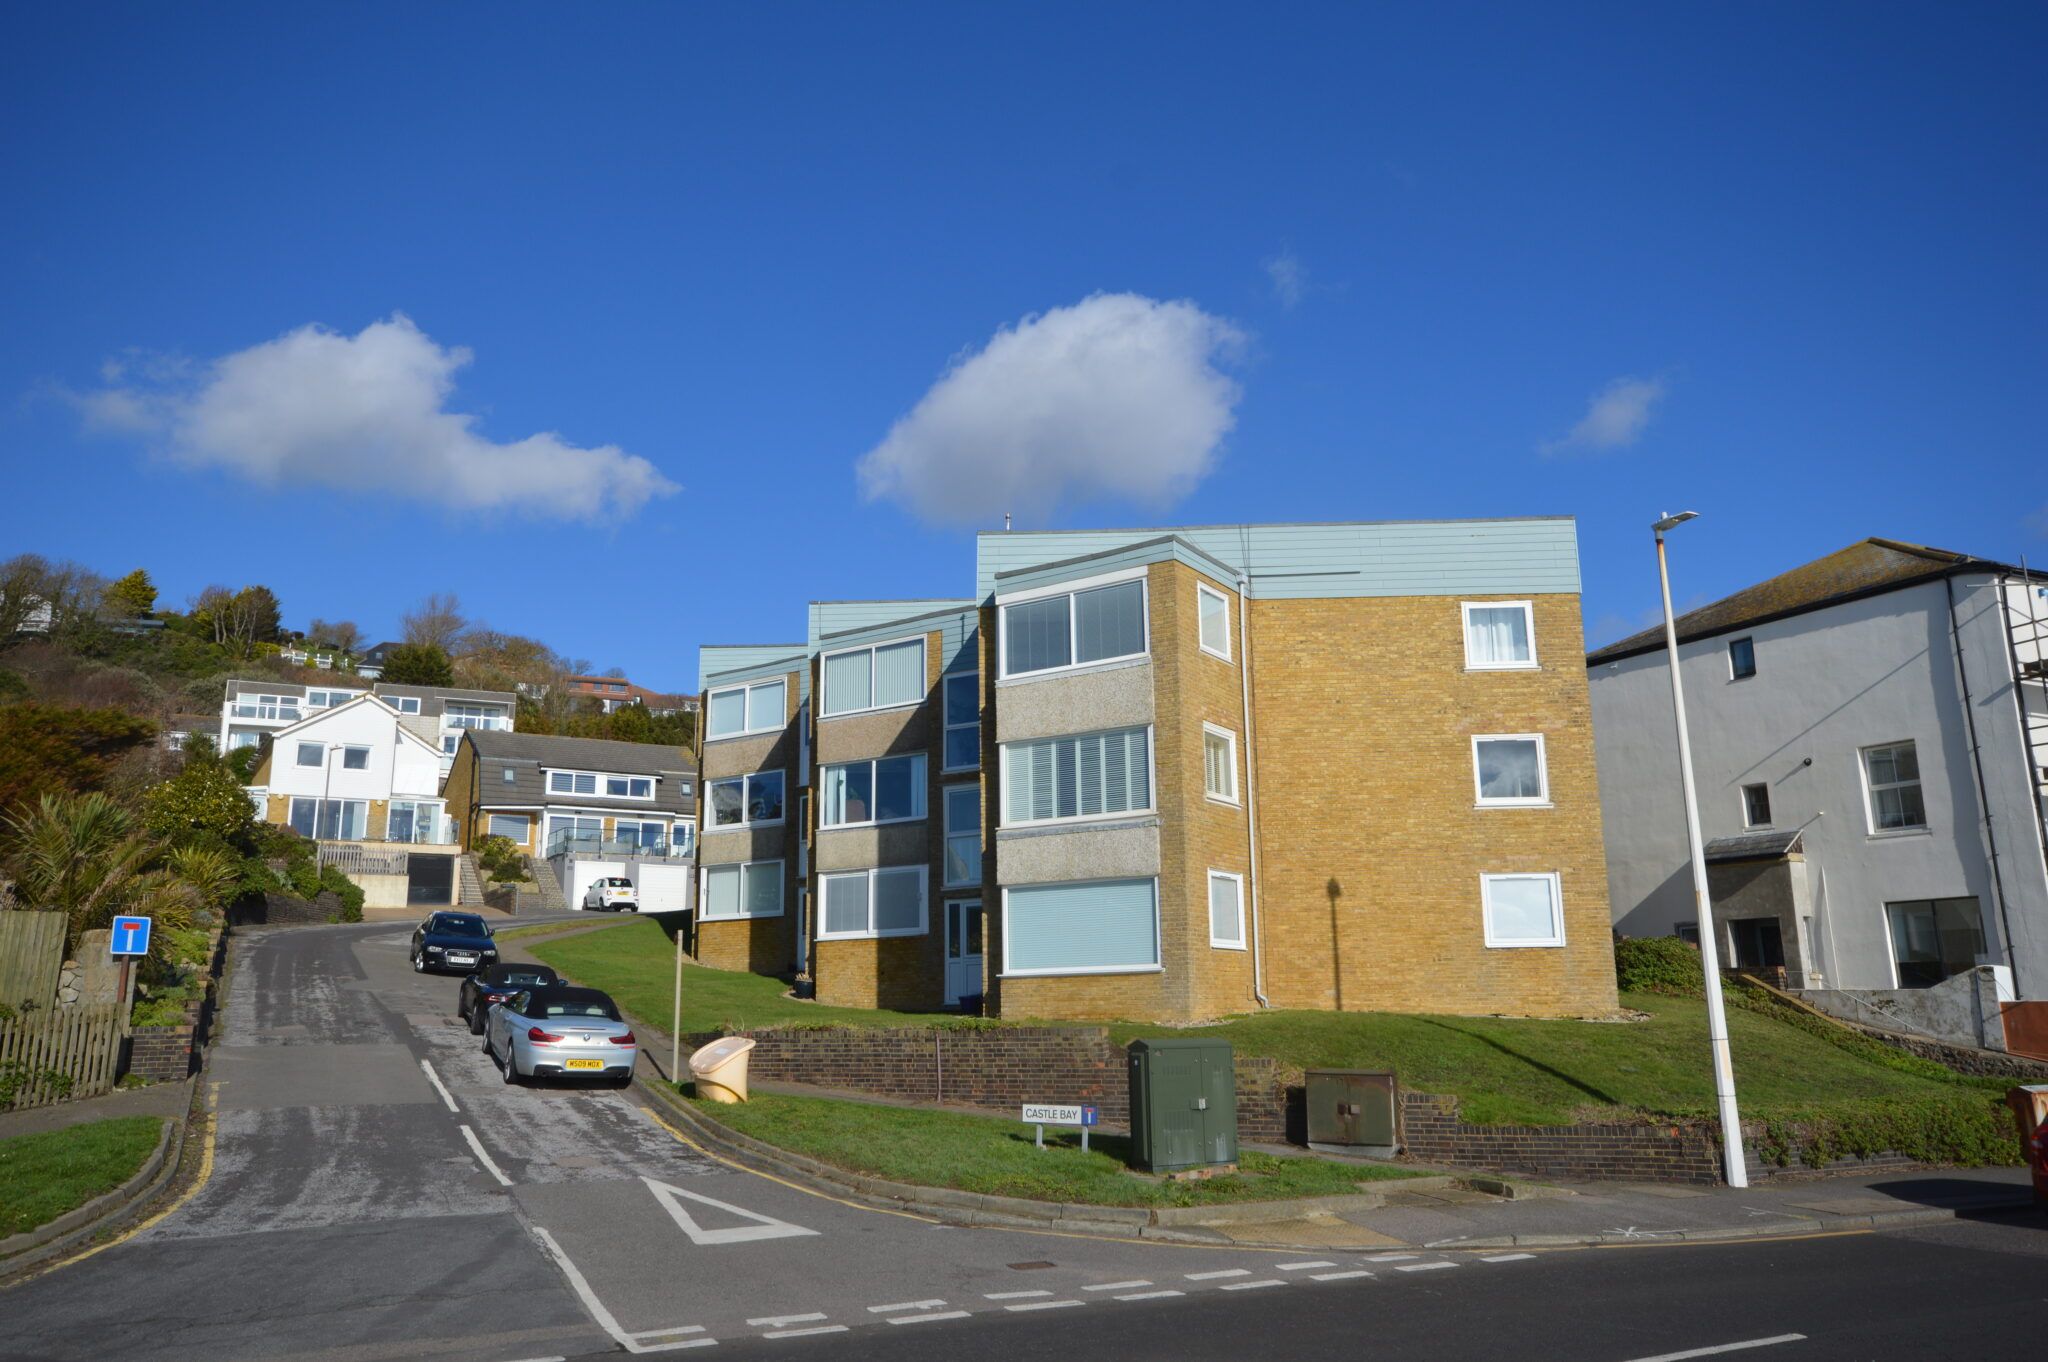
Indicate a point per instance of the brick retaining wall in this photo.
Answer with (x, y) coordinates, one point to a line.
(163, 1054)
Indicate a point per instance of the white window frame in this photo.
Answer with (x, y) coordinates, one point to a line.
(950, 724)
(348, 750)
(1004, 602)
(523, 839)
(949, 832)
(1230, 739)
(746, 801)
(299, 755)
(922, 786)
(609, 793)
(745, 869)
(1208, 906)
(923, 677)
(1465, 609)
(404, 704)
(1541, 801)
(1742, 792)
(746, 689)
(873, 875)
(592, 793)
(1486, 883)
(1158, 942)
(1204, 589)
(1926, 825)
(1151, 783)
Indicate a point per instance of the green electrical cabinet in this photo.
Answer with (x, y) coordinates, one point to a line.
(1183, 1103)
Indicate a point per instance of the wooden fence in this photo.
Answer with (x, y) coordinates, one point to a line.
(82, 1042)
(31, 957)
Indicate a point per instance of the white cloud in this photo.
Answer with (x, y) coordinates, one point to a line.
(362, 413)
(1118, 397)
(1615, 417)
(1288, 276)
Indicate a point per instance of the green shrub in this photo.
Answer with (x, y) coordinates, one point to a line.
(1658, 964)
(1969, 1130)
(345, 889)
(501, 859)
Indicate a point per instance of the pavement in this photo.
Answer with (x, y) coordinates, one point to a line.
(168, 1100)
(377, 1191)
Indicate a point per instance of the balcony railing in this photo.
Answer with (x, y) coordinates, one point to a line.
(288, 713)
(566, 841)
(496, 722)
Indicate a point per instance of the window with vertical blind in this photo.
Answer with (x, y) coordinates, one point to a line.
(1226, 910)
(738, 710)
(878, 677)
(1072, 629)
(862, 903)
(741, 891)
(1084, 927)
(1087, 775)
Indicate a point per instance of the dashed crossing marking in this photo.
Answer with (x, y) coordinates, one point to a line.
(904, 1305)
(1115, 1286)
(1151, 1295)
(1423, 1267)
(485, 1159)
(1012, 1295)
(806, 1333)
(1044, 1305)
(1253, 1286)
(1303, 1267)
(926, 1319)
(1338, 1276)
(1213, 1276)
(1506, 1257)
(782, 1321)
(1390, 1258)
(1724, 1348)
(439, 1086)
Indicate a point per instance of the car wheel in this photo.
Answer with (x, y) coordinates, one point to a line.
(487, 1041)
(476, 1023)
(419, 963)
(511, 1067)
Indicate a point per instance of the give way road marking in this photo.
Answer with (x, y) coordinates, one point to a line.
(764, 1227)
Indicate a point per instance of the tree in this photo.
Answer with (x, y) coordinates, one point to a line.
(45, 749)
(342, 634)
(259, 614)
(38, 596)
(436, 621)
(131, 597)
(418, 664)
(238, 620)
(203, 805)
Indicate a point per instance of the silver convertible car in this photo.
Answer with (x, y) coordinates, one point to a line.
(560, 1032)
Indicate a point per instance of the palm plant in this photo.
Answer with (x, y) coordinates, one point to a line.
(90, 859)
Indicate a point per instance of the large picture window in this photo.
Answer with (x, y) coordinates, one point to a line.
(886, 790)
(742, 891)
(1508, 769)
(1100, 624)
(1522, 910)
(1934, 939)
(330, 820)
(869, 903)
(1891, 775)
(880, 677)
(963, 721)
(1088, 927)
(1089, 775)
(745, 801)
(734, 711)
(1499, 635)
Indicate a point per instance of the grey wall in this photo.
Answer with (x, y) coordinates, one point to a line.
(1829, 683)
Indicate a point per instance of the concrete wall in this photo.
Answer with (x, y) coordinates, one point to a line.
(1962, 1010)
(1829, 683)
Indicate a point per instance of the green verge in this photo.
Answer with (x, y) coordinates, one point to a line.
(46, 1174)
(998, 1158)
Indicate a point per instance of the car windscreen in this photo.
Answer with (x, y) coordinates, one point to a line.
(458, 926)
(543, 1006)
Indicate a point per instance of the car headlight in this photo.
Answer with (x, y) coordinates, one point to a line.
(433, 950)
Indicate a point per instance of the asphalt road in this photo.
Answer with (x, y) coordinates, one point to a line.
(378, 1192)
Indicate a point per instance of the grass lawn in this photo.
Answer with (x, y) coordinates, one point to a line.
(997, 1157)
(635, 962)
(42, 1176)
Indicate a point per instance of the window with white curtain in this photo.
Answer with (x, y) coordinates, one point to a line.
(1099, 624)
(963, 834)
(879, 677)
(1508, 769)
(1212, 608)
(1522, 910)
(1219, 763)
(1087, 775)
(1499, 635)
(884, 790)
(759, 707)
(741, 891)
(963, 721)
(870, 903)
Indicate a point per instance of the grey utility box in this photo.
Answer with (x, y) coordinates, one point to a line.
(1183, 1103)
(1353, 1111)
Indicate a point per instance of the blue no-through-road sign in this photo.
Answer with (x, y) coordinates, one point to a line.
(130, 936)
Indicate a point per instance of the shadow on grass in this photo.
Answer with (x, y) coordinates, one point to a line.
(1560, 1075)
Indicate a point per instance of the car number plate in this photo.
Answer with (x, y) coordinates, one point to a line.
(585, 1064)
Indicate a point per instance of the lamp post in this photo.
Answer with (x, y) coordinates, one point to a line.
(1710, 950)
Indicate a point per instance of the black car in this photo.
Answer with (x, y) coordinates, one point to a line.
(453, 941)
(495, 985)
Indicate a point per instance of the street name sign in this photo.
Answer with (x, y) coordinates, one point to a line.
(1043, 1114)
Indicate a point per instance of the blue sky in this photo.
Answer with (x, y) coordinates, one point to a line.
(1779, 264)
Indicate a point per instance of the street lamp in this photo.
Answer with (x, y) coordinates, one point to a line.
(1710, 950)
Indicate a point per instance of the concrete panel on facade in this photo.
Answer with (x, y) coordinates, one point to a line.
(1074, 702)
(862, 848)
(745, 844)
(851, 737)
(1114, 851)
(744, 756)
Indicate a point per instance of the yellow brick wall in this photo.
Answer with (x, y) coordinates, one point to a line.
(458, 789)
(760, 945)
(1371, 847)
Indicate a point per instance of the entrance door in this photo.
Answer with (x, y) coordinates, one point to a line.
(1758, 942)
(963, 949)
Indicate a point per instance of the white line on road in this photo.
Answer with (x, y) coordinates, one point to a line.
(1253, 1286)
(439, 1086)
(1338, 1276)
(1044, 1305)
(1012, 1295)
(1390, 1258)
(1226, 1272)
(805, 1333)
(778, 1321)
(1115, 1286)
(1302, 1267)
(605, 1319)
(1506, 1257)
(485, 1159)
(1423, 1267)
(1151, 1295)
(904, 1305)
(1723, 1348)
(670, 1333)
(925, 1319)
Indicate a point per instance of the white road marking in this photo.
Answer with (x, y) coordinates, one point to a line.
(485, 1159)
(439, 1086)
(805, 1333)
(1151, 1295)
(1012, 1295)
(1115, 1286)
(922, 1319)
(605, 1319)
(904, 1305)
(1390, 1258)
(1253, 1286)
(779, 1321)
(764, 1227)
(1723, 1348)
(1302, 1267)
(1507, 1257)
(1338, 1276)
(1226, 1272)
(1044, 1305)
(668, 1333)
(1423, 1267)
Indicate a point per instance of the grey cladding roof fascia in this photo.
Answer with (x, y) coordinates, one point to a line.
(831, 618)
(761, 671)
(725, 659)
(1155, 550)
(932, 621)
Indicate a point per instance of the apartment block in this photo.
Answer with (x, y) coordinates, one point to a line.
(1174, 774)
